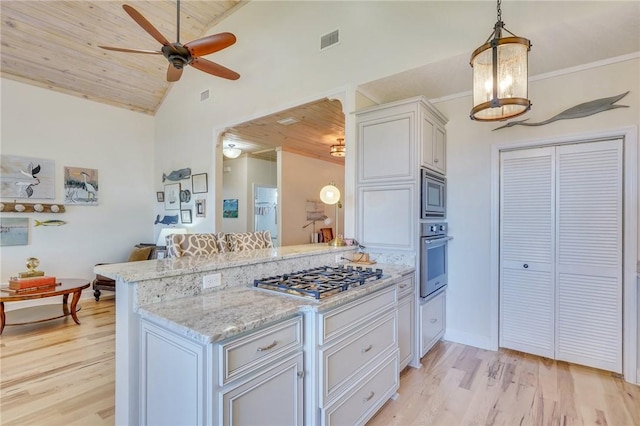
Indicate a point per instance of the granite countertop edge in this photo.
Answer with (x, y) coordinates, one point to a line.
(163, 268)
(229, 312)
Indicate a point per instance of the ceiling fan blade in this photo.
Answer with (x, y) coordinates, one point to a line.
(214, 69)
(173, 73)
(146, 25)
(210, 44)
(121, 49)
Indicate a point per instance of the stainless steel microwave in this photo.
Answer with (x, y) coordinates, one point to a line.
(434, 195)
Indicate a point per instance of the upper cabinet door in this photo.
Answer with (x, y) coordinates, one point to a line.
(433, 146)
(386, 147)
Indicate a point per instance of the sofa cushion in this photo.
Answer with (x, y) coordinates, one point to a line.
(180, 245)
(250, 240)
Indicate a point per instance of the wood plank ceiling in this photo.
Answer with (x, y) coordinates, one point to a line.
(54, 45)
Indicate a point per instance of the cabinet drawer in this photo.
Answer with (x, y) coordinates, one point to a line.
(433, 321)
(336, 321)
(245, 354)
(366, 397)
(344, 359)
(405, 286)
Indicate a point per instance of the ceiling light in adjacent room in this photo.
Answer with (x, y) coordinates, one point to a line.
(230, 151)
(500, 76)
(338, 150)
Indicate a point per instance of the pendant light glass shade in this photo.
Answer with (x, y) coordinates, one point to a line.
(338, 150)
(500, 76)
(231, 151)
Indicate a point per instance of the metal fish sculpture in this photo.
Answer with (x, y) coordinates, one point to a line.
(167, 220)
(579, 111)
(50, 223)
(177, 175)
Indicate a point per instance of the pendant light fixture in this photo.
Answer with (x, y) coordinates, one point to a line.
(230, 151)
(500, 76)
(338, 150)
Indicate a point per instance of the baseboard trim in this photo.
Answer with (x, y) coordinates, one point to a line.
(456, 336)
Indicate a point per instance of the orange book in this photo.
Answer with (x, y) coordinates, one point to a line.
(20, 283)
(29, 290)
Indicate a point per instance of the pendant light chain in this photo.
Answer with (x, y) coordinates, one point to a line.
(178, 20)
(499, 11)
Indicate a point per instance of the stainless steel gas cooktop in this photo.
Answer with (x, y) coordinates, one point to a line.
(320, 282)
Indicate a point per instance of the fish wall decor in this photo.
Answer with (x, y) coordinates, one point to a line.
(167, 220)
(579, 111)
(50, 223)
(177, 175)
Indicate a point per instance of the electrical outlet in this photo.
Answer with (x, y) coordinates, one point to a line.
(210, 281)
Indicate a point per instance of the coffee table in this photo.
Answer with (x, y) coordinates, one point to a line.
(68, 286)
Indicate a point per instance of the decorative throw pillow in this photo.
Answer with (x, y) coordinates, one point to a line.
(191, 245)
(250, 240)
(222, 242)
(141, 253)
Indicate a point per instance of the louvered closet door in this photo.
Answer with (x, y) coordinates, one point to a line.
(527, 254)
(589, 260)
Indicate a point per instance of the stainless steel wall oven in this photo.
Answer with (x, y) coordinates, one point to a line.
(433, 257)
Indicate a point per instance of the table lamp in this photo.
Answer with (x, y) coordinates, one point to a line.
(165, 232)
(330, 194)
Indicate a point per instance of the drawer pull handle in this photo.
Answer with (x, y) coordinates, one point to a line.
(368, 398)
(403, 286)
(433, 320)
(367, 349)
(266, 348)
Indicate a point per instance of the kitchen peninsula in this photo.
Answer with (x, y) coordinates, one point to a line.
(203, 356)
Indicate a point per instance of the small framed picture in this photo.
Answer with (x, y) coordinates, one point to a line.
(172, 196)
(160, 196)
(200, 208)
(185, 216)
(199, 183)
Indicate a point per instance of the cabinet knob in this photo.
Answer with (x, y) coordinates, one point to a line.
(300, 374)
(525, 266)
(266, 348)
(433, 320)
(368, 398)
(435, 160)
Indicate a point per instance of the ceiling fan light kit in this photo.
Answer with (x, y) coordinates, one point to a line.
(180, 55)
(338, 150)
(500, 76)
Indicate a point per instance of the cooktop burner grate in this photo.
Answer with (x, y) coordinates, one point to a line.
(320, 282)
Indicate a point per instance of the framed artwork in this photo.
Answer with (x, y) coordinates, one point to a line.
(185, 216)
(327, 234)
(26, 177)
(315, 210)
(15, 231)
(200, 208)
(80, 186)
(160, 196)
(230, 208)
(172, 196)
(199, 183)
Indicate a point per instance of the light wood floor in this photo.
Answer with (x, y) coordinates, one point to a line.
(59, 373)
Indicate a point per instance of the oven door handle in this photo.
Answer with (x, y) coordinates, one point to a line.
(438, 240)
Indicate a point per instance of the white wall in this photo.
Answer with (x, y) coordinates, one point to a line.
(75, 132)
(301, 179)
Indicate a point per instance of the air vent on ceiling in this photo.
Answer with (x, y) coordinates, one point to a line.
(330, 39)
(204, 95)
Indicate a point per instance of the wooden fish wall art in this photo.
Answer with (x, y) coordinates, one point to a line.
(579, 111)
(166, 220)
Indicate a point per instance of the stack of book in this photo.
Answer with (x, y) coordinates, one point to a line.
(31, 285)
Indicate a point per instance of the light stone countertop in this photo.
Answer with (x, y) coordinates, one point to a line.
(228, 312)
(162, 268)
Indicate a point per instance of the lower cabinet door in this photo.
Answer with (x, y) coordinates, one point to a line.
(432, 318)
(273, 397)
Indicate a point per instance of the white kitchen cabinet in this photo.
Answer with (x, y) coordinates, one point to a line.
(432, 321)
(387, 218)
(406, 320)
(433, 145)
(255, 378)
(357, 358)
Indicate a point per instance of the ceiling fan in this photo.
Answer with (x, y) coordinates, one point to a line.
(180, 55)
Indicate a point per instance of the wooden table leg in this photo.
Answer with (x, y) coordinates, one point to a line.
(74, 305)
(2, 317)
(65, 307)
